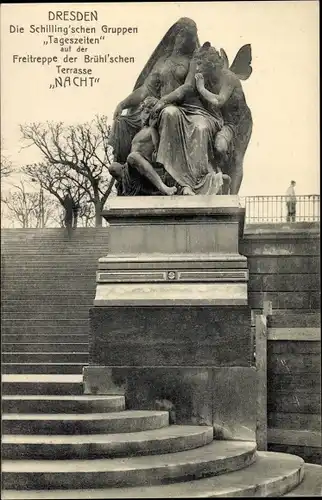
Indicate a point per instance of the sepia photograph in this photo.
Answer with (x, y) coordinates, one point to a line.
(160, 250)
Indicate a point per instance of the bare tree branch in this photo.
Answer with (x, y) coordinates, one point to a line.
(6, 167)
(28, 209)
(77, 155)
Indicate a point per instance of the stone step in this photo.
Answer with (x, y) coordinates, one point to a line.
(171, 439)
(84, 423)
(72, 275)
(42, 368)
(65, 297)
(81, 240)
(44, 357)
(27, 295)
(61, 403)
(38, 280)
(50, 263)
(41, 275)
(45, 347)
(271, 475)
(47, 305)
(47, 247)
(42, 384)
(85, 288)
(40, 272)
(42, 338)
(66, 312)
(56, 233)
(311, 484)
(34, 332)
(21, 243)
(48, 244)
(56, 258)
(60, 270)
(49, 258)
(56, 251)
(67, 326)
(215, 458)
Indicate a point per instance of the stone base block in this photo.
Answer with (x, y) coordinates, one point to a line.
(170, 336)
(224, 397)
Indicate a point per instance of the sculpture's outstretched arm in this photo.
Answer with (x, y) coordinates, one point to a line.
(134, 99)
(149, 87)
(225, 92)
(186, 89)
(178, 95)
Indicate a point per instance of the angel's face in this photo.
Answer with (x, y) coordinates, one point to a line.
(186, 38)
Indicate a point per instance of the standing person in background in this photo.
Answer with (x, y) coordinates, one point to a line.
(68, 206)
(291, 202)
(76, 208)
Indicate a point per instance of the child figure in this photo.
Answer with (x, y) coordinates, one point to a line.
(138, 176)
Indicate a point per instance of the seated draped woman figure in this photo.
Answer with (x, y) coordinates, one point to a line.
(165, 71)
(186, 128)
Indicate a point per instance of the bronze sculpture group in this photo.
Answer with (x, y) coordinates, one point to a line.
(186, 125)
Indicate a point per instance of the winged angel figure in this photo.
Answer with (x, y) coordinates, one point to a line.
(220, 86)
(198, 138)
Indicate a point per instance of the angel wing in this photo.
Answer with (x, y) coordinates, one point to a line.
(154, 58)
(224, 57)
(241, 65)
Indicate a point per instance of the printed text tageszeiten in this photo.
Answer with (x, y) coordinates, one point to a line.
(73, 31)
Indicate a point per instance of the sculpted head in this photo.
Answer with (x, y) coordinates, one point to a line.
(186, 36)
(208, 61)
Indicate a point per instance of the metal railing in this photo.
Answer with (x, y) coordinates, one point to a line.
(274, 209)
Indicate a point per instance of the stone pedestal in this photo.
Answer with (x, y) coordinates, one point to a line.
(171, 317)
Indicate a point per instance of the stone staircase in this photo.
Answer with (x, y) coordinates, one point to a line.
(59, 443)
(48, 284)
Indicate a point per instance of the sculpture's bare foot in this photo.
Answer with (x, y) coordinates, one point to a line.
(187, 191)
(169, 191)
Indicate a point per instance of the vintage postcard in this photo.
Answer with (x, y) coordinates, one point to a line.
(160, 227)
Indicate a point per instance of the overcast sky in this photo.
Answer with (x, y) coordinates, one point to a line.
(282, 92)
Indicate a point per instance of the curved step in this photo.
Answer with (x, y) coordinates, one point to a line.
(272, 474)
(86, 423)
(61, 404)
(213, 459)
(157, 441)
(311, 484)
